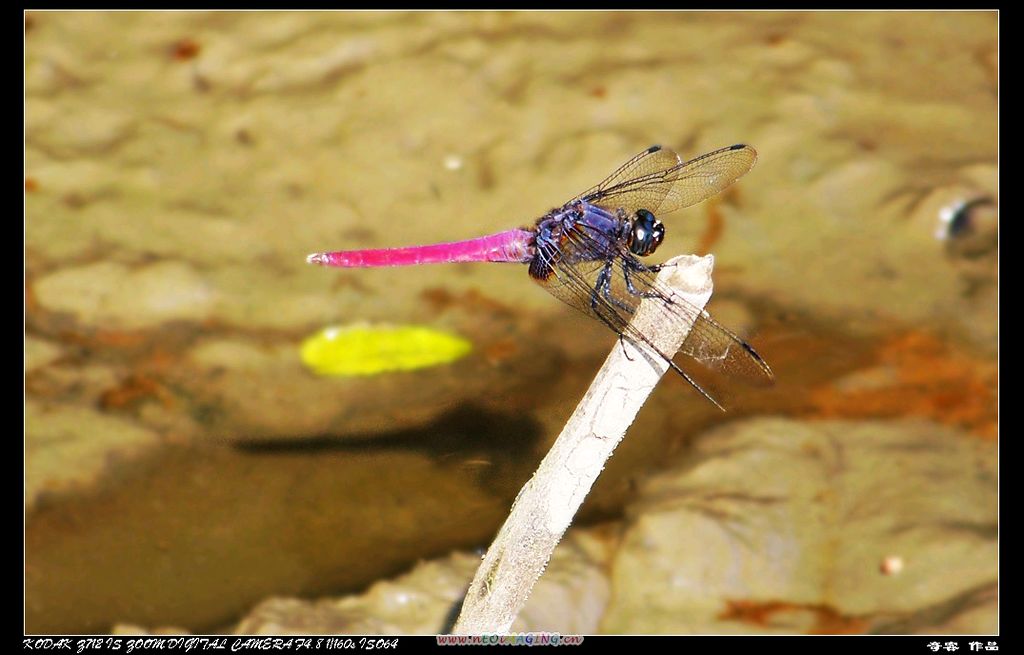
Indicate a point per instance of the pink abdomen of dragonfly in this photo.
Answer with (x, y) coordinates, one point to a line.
(509, 246)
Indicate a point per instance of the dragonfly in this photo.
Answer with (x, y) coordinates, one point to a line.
(588, 253)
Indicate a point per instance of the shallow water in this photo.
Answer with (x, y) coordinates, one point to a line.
(182, 463)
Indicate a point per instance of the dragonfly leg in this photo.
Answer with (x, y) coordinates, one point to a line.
(628, 267)
(603, 282)
(656, 268)
(603, 287)
(638, 265)
(622, 344)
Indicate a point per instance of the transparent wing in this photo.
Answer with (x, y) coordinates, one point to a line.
(652, 161)
(586, 276)
(658, 180)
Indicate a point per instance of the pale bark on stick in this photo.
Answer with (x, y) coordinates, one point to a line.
(547, 503)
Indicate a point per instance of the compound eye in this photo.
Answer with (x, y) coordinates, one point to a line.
(647, 233)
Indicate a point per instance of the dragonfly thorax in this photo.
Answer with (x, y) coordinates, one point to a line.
(645, 234)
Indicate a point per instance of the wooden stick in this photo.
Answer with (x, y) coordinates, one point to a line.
(547, 503)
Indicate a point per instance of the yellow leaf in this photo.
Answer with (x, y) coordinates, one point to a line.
(355, 350)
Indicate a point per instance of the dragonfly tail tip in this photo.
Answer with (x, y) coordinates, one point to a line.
(317, 258)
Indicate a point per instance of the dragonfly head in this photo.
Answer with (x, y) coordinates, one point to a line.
(646, 233)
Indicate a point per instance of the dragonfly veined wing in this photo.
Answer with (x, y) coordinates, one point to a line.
(660, 181)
